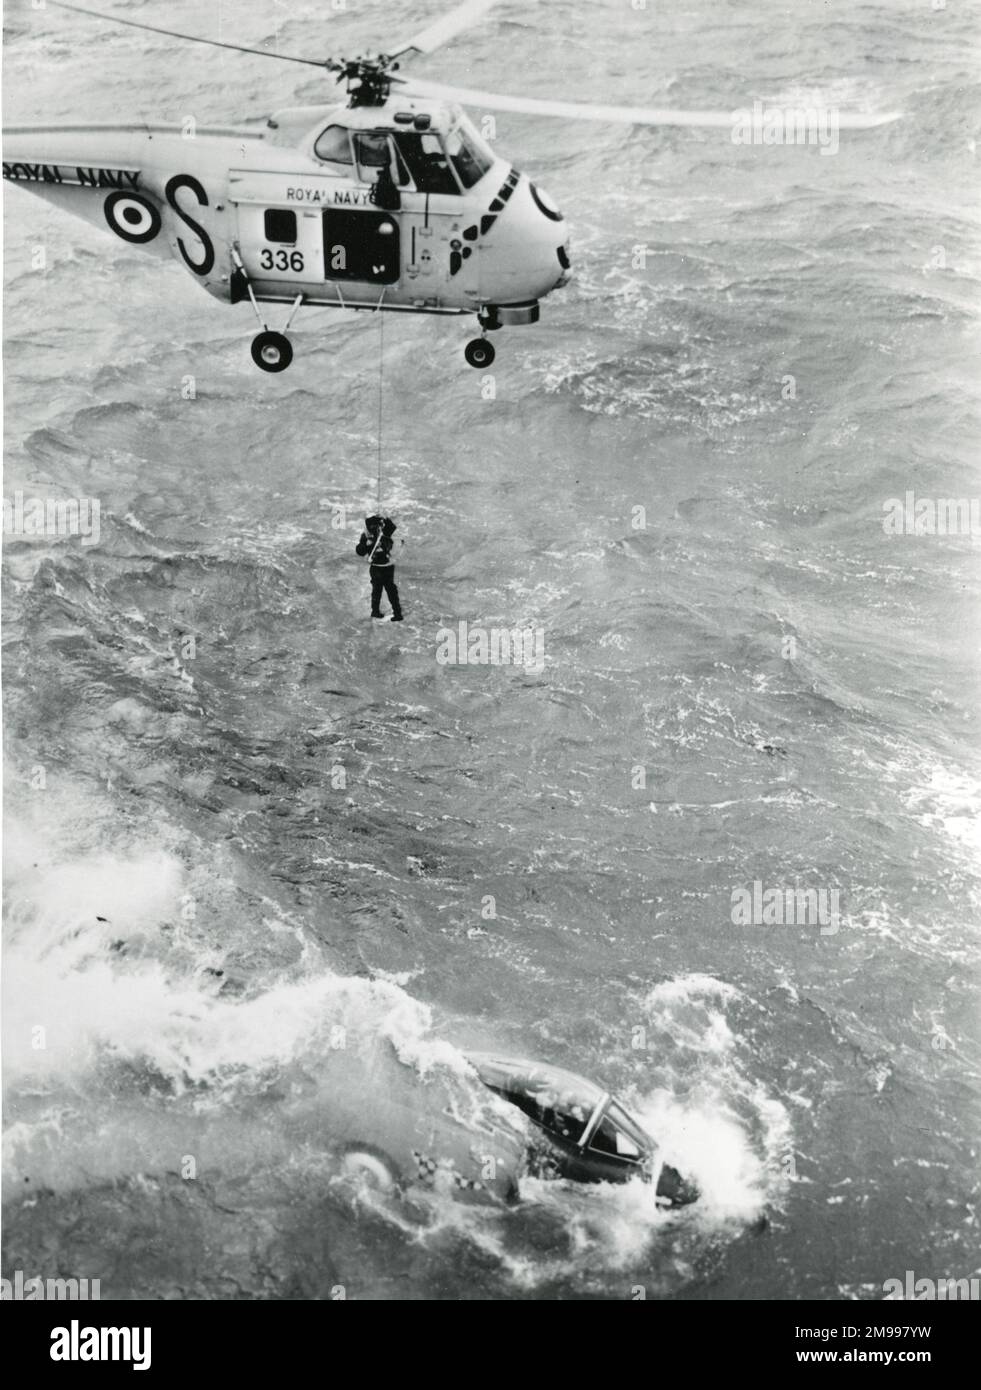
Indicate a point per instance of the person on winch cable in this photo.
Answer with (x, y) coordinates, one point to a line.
(376, 542)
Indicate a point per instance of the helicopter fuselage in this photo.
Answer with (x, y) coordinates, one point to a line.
(398, 206)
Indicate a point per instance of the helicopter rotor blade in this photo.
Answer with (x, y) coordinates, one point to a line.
(194, 38)
(440, 32)
(627, 115)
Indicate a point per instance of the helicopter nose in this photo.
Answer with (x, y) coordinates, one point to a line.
(526, 252)
(548, 209)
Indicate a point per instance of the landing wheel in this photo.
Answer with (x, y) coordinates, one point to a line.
(273, 352)
(479, 352)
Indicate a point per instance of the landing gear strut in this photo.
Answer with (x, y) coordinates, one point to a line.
(479, 352)
(271, 351)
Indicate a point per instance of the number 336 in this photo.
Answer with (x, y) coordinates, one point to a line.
(280, 260)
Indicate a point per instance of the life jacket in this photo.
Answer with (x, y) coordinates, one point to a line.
(376, 540)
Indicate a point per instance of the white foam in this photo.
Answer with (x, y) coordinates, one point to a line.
(726, 1132)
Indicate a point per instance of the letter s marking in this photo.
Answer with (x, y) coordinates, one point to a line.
(206, 265)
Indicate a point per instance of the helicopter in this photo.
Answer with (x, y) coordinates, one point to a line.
(388, 200)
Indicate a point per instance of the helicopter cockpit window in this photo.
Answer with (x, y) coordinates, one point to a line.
(374, 151)
(467, 156)
(612, 1138)
(563, 1115)
(423, 155)
(566, 1120)
(334, 146)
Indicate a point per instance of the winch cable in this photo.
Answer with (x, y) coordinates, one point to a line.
(381, 391)
(381, 401)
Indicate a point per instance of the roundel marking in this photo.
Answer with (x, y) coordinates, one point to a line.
(545, 204)
(131, 217)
